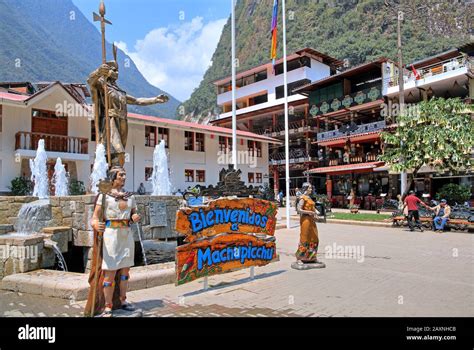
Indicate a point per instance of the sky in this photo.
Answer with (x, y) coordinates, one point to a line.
(170, 41)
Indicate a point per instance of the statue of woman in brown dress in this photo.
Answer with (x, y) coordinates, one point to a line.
(306, 255)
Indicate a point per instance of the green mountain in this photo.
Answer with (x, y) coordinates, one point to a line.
(49, 40)
(358, 31)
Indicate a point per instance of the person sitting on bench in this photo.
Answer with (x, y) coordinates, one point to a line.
(442, 211)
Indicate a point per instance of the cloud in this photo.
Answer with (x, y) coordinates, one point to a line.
(175, 58)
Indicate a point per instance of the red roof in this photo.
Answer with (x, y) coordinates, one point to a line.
(366, 136)
(204, 127)
(346, 168)
(13, 97)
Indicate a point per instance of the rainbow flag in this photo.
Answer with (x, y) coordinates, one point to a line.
(273, 54)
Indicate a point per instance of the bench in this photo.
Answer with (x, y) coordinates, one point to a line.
(455, 224)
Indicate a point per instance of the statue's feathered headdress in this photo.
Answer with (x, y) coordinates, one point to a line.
(113, 63)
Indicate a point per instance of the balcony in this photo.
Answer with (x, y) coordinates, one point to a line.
(296, 156)
(66, 147)
(345, 102)
(363, 128)
(445, 71)
(332, 160)
(296, 127)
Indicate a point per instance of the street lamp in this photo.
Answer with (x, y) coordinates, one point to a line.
(400, 11)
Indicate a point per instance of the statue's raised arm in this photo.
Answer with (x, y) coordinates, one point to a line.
(144, 101)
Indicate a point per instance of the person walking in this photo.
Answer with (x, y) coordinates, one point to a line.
(442, 212)
(411, 202)
(280, 198)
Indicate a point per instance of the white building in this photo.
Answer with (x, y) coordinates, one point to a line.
(29, 113)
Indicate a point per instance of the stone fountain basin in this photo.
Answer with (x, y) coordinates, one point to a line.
(20, 252)
(75, 286)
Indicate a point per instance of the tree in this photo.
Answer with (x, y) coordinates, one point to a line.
(454, 193)
(437, 133)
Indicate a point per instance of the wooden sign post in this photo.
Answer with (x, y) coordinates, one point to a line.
(224, 236)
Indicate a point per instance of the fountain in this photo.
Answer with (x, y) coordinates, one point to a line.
(60, 179)
(33, 217)
(39, 172)
(99, 171)
(160, 178)
(54, 246)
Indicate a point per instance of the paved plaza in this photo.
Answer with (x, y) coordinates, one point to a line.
(371, 271)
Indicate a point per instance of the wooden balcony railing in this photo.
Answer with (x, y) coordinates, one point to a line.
(333, 161)
(52, 143)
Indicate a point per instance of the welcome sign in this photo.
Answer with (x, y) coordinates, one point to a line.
(224, 236)
(226, 215)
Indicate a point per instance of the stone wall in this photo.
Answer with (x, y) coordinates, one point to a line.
(10, 206)
(75, 212)
(69, 221)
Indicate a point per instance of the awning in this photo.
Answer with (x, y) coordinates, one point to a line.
(347, 168)
(367, 136)
(341, 140)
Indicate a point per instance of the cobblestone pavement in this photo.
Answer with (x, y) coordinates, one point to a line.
(389, 272)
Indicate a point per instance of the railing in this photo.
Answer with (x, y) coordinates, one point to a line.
(380, 125)
(331, 161)
(293, 127)
(296, 156)
(431, 70)
(53, 143)
(357, 98)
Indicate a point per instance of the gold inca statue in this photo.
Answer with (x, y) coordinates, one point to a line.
(110, 103)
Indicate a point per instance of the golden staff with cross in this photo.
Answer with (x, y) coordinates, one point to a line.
(101, 18)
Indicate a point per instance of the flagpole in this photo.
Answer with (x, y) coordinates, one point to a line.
(234, 108)
(287, 141)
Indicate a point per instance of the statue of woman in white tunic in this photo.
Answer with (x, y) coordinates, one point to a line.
(118, 244)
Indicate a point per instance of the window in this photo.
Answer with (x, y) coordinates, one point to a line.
(244, 81)
(48, 122)
(189, 175)
(258, 99)
(254, 148)
(148, 173)
(189, 141)
(293, 64)
(251, 178)
(93, 136)
(199, 137)
(150, 136)
(251, 147)
(259, 177)
(327, 94)
(200, 176)
(164, 134)
(258, 147)
(280, 92)
(225, 143)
